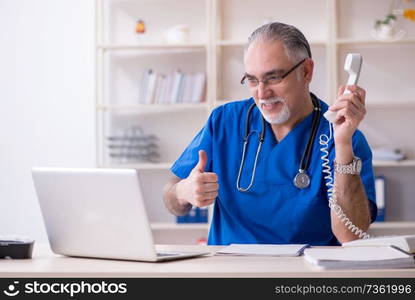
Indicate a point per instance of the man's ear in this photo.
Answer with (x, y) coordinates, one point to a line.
(308, 69)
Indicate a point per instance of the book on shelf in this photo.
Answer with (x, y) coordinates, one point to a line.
(143, 87)
(195, 215)
(177, 81)
(151, 88)
(380, 198)
(188, 83)
(158, 88)
(199, 87)
(166, 89)
(176, 87)
(370, 257)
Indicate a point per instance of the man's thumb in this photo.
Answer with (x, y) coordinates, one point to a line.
(202, 161)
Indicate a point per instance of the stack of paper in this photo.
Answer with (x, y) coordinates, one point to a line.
(382, 257)
(263, 250)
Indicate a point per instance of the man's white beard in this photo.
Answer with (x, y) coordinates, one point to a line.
(278, 118)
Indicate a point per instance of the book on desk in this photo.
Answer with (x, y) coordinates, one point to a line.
(370, 257)
(403, 242)
(263, 249)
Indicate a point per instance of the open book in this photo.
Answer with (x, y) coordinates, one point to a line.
(263, 249)
(380, 257)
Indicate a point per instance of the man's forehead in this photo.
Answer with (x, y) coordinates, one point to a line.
(265, 57)
(270, 72)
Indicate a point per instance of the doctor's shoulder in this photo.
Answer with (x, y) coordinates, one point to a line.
(231, 111)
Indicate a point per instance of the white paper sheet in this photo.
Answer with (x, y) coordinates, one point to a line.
(263, 249)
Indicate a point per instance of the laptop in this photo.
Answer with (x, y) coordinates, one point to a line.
(97, 213)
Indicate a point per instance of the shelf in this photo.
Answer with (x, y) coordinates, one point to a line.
(153, 107)
(140, 166)
(221, 102)
(190, 46)
(179, 226)
(218, 34)
(166, 166)
(229, 43)
(392, 228)
(344, 41)
(401, 163)
(205, 226)
(392, 225)
(391, 105)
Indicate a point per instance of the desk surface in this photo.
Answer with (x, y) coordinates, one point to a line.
(46, 264)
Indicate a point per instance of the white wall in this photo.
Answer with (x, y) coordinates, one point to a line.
(47, 100)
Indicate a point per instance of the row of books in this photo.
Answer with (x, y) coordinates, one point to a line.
(177, 87)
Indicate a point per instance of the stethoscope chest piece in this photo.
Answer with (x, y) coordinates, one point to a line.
(301, 180)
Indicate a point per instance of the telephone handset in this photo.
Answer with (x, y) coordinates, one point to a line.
(352, 65)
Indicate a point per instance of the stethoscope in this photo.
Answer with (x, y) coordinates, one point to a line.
(302, 179)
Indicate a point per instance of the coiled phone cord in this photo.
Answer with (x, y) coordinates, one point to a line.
(324, 142)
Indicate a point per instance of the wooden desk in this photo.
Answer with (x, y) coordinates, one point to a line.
(46, 264)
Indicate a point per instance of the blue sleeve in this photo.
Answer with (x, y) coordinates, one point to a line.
(190, 156)
(362, 150)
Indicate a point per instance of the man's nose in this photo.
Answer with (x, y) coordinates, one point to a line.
(263, 90)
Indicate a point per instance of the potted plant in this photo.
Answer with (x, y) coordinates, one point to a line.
(385, 28)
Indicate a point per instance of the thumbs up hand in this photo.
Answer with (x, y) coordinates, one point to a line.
(200, 188)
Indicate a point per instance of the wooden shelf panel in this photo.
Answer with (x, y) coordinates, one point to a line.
(236, 43)
(140, 166)
(345, 41)
(153, 107)
(401, 163)
(392, 228)
(179, 226)
(186, 46)
(395, 224)
(395, 104)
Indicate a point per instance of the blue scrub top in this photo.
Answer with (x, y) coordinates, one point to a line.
(273, 211)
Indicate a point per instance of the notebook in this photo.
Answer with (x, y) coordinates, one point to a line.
(97, 213)
(263, 249)
(374, 257)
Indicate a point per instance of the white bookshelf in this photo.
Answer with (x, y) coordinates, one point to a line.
(219, 30)
(141, 166)
(230, 43)
(392, 228)
(181, 226)
(401, 163)
(149, 108)
(182, 46)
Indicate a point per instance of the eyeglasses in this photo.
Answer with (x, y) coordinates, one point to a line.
(252, 82)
